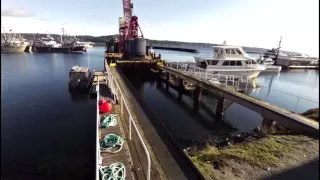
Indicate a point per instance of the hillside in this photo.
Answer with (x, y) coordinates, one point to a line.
(150, 42)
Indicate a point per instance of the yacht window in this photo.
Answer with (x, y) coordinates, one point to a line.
(216, 52)
(232, 63)
(203, 65)
(233, 51)
(214, 62)
(251, 62)
(238, 51)
(227, 51)
(225, 63)
(238, 63)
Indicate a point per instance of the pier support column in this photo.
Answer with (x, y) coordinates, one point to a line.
(197, 98)
(180, 89)
(167, 81)
(267, 122)
(219, 108)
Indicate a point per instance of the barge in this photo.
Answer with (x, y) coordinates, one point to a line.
(80, 78)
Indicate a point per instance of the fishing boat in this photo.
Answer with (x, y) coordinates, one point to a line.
(13, 43)
(80, 78)
(230, 60)
(48, 44)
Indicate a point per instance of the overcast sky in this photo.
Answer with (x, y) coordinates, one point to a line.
(256, 23)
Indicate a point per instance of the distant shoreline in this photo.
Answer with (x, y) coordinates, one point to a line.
(100, 41)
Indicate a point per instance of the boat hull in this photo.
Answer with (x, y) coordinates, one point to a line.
(237, 74)
(14, 49)
(273, 69)
(77, 49)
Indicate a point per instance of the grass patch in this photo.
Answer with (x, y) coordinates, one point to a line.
(265, 152)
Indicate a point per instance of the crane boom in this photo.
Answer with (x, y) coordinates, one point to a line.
(129, 29)
(127, 11)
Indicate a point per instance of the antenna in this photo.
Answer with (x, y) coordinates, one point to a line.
(279, 46)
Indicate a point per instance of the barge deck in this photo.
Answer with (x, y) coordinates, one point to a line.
(123, 156)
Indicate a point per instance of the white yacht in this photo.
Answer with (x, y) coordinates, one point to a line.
(266, 61)
(230, 60)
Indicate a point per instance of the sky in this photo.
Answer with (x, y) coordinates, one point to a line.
(253, 23)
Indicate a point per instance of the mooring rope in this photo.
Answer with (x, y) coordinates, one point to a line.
(115, 171)
(109, 120)
(110, 141)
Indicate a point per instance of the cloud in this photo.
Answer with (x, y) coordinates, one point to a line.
(16, 12)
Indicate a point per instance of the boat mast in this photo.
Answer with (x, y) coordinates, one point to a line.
(62, 37)
(278, 50)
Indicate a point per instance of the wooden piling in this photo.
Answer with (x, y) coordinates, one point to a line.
(167, 81)
(180, 89)
(197, 98)
(219, 108)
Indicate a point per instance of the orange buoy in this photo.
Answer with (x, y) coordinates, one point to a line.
(105, 106)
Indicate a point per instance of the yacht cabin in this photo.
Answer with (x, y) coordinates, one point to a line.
(227, 56)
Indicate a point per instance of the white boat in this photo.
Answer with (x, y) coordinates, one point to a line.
(85, 44)
(230, 60)
(268, 63)
(297, 62)
(47, 41)
(293, 60)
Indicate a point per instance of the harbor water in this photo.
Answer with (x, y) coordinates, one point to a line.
(47, 133)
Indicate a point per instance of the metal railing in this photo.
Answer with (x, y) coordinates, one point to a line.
(117, 93)
(268, 94)
(202, 73)
(98, 157)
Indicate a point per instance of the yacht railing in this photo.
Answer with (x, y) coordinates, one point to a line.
(118, 96)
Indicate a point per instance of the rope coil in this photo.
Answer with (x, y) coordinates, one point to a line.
(115, 171)
(109, 120)
(110, 141)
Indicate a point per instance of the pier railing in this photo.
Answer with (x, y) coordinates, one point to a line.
(232, 80)
(118, 96)
(98, 157)
(293, 102)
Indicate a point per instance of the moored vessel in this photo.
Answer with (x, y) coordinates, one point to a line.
(80, 78)
(13, 43)
(230, 60)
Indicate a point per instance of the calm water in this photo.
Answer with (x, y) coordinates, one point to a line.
(46, 132)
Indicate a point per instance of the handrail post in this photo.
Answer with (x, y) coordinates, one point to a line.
(130, 127)
(97, 135)
(121, 105)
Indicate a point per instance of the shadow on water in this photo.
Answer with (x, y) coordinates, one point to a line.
(185, 125)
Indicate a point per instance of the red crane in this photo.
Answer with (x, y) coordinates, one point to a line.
(129, 26)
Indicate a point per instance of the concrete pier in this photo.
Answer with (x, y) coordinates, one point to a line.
(265, 109)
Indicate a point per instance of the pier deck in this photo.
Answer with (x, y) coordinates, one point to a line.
(265, 109)
(123, 155)
(98, 76)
